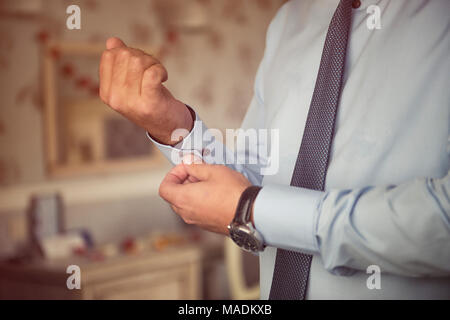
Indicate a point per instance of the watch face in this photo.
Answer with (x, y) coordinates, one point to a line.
(245, 239)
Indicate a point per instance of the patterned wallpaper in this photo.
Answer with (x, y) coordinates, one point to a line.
(211, 49)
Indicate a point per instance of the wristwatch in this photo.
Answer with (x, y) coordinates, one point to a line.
(242, 231)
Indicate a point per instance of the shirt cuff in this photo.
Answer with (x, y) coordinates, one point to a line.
(287, 217)
(192, 143)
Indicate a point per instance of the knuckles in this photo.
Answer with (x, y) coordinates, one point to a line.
(131, 61)
(114, 101)
(123, 54)
(136, 57)
(187, 220)
(152, 72)
(156, 73)
(137, 63)
(164, 192)
(107, 57)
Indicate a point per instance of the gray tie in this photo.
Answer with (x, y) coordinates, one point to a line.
(290, 278)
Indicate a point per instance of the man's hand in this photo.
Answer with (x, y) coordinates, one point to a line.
(209, 203)
(131, 82)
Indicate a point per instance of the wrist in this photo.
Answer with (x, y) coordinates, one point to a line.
(183, 120)
(185, 123)
(249, 217)
(241, 228)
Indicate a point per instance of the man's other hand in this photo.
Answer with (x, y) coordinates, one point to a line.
(131, 82)
(211, 201)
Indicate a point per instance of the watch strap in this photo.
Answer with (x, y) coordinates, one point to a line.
(245, 204)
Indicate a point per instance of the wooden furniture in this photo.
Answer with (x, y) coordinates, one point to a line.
(172, 274)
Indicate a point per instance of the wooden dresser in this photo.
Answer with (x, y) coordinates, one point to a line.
(172, 274)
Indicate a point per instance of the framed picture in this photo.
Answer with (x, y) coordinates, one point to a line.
(83, 135)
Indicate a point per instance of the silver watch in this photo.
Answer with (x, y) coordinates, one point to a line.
(242, 231)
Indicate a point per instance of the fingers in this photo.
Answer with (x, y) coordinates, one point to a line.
(107, 65)
(106, 68)
(119, 74)
(178, 175)
(190, 159)
(122, 72)
(171, 186)
(136, 67)
(152, 80)
(201, 172)
(174, 187)
(192, 179)
(114, 42)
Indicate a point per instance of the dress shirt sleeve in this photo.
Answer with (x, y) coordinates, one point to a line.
(403, 229)
(192, 142)
(204, 143)
(286, 217)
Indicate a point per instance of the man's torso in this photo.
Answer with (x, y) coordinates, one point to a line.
(393, 119)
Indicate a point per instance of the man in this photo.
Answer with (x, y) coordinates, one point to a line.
(371, 104)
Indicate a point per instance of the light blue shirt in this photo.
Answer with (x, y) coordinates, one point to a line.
(387, 198)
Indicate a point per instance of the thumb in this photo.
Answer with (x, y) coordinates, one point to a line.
(189, 159)
(114, 42)
(153, 78)
(201, 172)
(170, 186)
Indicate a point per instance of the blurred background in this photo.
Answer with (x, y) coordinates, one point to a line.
(79, 184)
